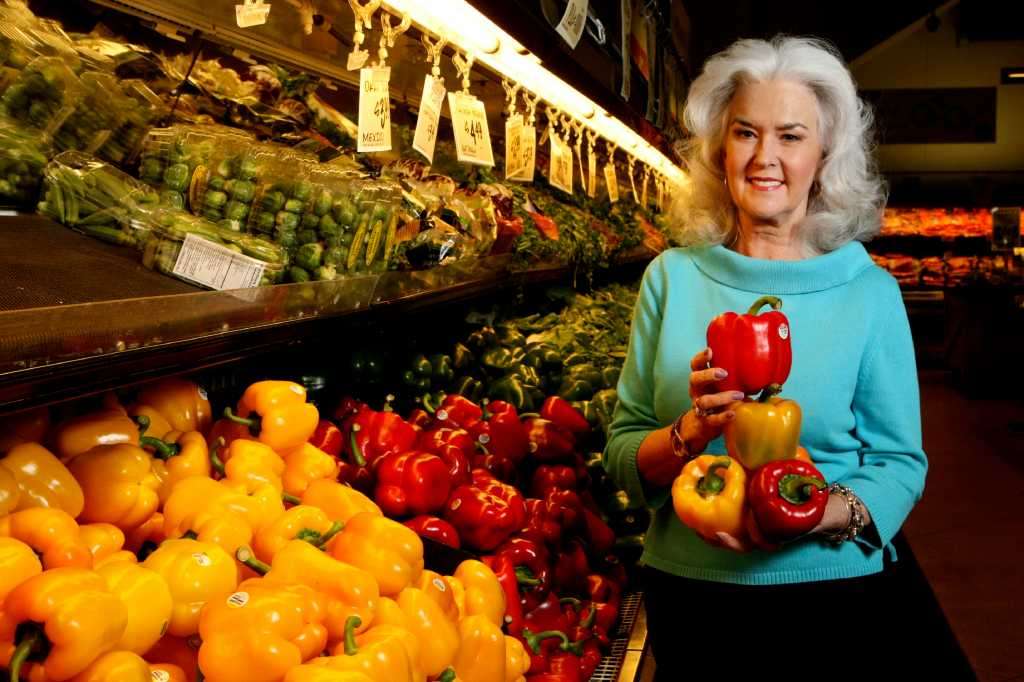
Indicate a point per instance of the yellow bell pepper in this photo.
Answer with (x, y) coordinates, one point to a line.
(147, 599)
(437, 634)
(349, 591)
(221, 512)
(59, 621)
(51, 533)
(167, 672)
(147, 537)
(177, 456)
(339, 501)
(102, 539)
(29, 426)
(260, 632)
(384, 653)
(18, 563)
(181, 402)
(481, 651)
(195, 572)
(151, 423)
(107, 427)
(176, 654)
(43, 480)
(302, 523)
(251, 463)
(388, 613)
(276, 413)
(763, 431)
(387, 550)
(305, 464)
(482, 592)
(708, 496)
(119, 484)
(117, 666)
(10, 495)
(321, 673)
(439, 589)
(517, 661)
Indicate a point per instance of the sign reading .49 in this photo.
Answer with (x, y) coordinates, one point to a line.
(474, 129)
(382, 111)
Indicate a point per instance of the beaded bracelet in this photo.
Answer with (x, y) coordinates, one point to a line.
(676, 440)
(856, 523)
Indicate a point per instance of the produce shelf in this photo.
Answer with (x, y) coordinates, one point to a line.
(79, 317)
(628, 643)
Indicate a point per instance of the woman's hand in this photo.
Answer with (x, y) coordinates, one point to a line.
(705, 420)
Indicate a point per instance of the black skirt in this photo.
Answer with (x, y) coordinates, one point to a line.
(886, 626)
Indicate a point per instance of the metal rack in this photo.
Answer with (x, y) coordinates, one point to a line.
(628, 643)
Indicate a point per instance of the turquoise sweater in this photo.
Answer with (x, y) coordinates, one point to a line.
(853, 375)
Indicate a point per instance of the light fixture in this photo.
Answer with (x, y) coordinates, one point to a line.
(1013, 75)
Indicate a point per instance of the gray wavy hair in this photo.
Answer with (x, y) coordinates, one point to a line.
(851, 194)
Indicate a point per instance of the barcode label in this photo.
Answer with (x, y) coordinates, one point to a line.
(215, 266)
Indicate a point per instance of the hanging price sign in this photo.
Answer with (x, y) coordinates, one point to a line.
(561, 164)
(573, 21)
(374, 110)
(429, 117)
(612, 182)
(513, 146)
(251, 13)
(527, 155)
(472, 138)
(591, 173)
(643, 191)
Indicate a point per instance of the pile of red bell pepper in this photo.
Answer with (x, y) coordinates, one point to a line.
(512, 487)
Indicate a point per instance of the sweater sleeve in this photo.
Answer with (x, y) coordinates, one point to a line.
(634, 413)
(886, 406)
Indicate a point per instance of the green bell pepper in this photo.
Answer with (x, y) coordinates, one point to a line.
(610, 376)
(469, 387)
(485, 337)
(509, 389)
(499, 359)
(511, 338)
(441, 366)
(462, 357)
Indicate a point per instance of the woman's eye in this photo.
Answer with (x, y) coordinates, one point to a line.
(747, 134)
(791, 138)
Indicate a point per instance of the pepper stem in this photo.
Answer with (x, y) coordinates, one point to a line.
(591, 618)
(290, 499)
(711, 483)
(427, 400)
(143, 422)
(246, 557)
(797, 489)
(529, 415)
(768, 392)
(215, 461)
(447, 676)
(486, 416)
(357, 452)
(524, 576)
(164, 450)
(189, 535)
(253, 423)
(335, 528)
(534, 640)
(577, 605)
(388, 399)
(350, 635)
(774, 301)
(22, 652)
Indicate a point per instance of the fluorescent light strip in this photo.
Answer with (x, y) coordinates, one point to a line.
(467, 28)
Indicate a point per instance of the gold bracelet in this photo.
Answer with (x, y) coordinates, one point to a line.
(855, 526)
(676, 440)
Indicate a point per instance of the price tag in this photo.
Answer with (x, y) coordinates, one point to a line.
(251, 13)
(472, 138)
(561, 164)
(661, 196)
(429, 117)
(632, 185)
(573, 21)
(528, 149)
(643, 191)
(215, 266)
(612, 182)
(513, 146)
(374, 110)
(591, 174)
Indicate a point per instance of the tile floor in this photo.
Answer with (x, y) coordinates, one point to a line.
(966, 531)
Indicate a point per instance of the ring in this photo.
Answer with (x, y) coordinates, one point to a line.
(700, 412)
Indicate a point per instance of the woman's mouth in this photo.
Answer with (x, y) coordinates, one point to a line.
(765, 184)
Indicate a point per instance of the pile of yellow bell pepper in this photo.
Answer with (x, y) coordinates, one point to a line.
(144, 542)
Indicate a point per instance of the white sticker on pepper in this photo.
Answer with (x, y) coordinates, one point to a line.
(160, 676)
(215, 266)
(238, 600)
(472, 137)
(202, 559)
(429, 117)
(374, 110)
(573, 21)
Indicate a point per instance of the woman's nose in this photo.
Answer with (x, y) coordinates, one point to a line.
(765, 153)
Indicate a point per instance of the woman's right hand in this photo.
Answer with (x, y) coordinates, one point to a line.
(710, 412)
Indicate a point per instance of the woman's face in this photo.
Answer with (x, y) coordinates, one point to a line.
(771, 152)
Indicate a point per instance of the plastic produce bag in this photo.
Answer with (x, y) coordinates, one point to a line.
(222, 191)
(21, 164)
(43, 95)
(96, 116)
(142, 109)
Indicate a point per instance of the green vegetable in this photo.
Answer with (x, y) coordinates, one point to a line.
(235, 210)
(151, 170)
(247, 169)
(309, 256)
(287, 221)
(322, 204)
(172, 199)
(265, 222)
(329, 228)
(335, 256)
(286, 238)
(326, 273)
(215, 182)
(215, 200)
(302, 191)
(310, 221)
(345, 213)
(243, 191)
(297, 274)
(308, 236)
(177, 177)
(294, 206)
(273, 201)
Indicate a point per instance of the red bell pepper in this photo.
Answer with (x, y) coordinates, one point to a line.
(420, 418)
(572, 568)
(548, 442)
(605, 598)
(552, 477)
(787, 498)
(372, 435)
(435, 438)
(580, 627)
(555, 657)
(458, 411)
(434, 528)
(501, 433)
(348, 407)
(509, 229)
(755, 349)
(411, 483)
(559, 411)
(590, 659)
(548, 615)
(485, 512)
(541, 527)
(533, 564)
(598, 534)
(327, 437)
(505, 571)
(227, 430)
(545, 225)
(458, 464)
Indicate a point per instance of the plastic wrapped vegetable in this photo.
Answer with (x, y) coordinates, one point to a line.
(223, 190)
(21, 165)
(142, 109)
(97, 115)
(43, 95)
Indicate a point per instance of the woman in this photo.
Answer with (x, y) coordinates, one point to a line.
(782, 191)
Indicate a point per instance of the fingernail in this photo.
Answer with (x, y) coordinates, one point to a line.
(736, 395)
(721, 373)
